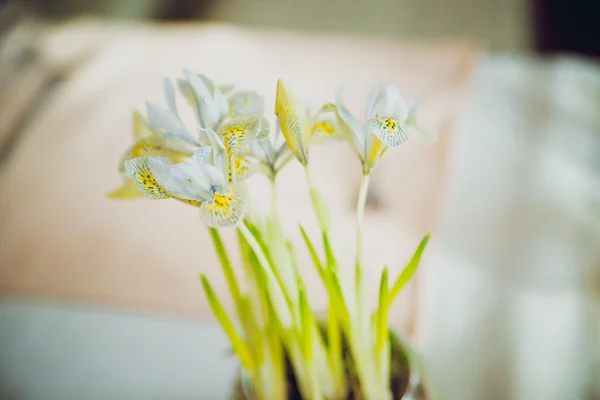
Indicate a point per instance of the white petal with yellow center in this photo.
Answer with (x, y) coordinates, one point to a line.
(226, 209)
(391, 132)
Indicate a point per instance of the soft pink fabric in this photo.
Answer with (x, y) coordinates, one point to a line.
(62, 239)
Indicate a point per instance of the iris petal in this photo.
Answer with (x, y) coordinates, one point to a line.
(226, 209)
(349, 127)
(236, 132)
(140, 172)
(293, 121)
(171, 179)
(391, 132)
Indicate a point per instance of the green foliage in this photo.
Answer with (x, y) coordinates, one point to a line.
(409, 270)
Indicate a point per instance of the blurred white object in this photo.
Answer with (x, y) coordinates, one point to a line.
(63, 352)
(514, 312)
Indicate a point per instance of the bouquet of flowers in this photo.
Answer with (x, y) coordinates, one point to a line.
(285, 349)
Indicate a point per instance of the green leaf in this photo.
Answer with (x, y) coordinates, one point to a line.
(273, 285)
(333, 333)
(337, 304)
(283, 260)
(293, 257)
(382, 326)
(247, 255)
(274, 341)
(252, 334)
(330, 259)
(239, 346)
(318, 201)
(409, 270)
(334, 349)
(337, 300)
(313, 255)
(258, 236)
(306, 325)
(232, 283)
(256, 281)
(358, 278)
(277, 374)
(321, 208)
(251, 265)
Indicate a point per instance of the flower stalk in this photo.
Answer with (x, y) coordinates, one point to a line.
(317, 202)
(360, 212)
(274, 212)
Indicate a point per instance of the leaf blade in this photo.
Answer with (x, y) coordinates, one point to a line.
(232, 283)
(409, 270)
(382, 327)
(239, 346)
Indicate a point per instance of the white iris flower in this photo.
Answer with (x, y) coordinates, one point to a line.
(389, 122)
(196, 182)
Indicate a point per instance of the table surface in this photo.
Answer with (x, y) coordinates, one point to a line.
(66, 352)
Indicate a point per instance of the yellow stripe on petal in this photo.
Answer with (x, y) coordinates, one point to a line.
(225, 209)
(140, 172)
(156, 147)
(237, 131)
(244, 168)
(128, 190)
(375, 150)
(325, 128)
(293, 121)
(389, 131)
(146, 147)
(194, 203)
(324, 131)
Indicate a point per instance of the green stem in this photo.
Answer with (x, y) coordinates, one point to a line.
(360, 211)
(318, 205)
(358, 336)
(273, 199)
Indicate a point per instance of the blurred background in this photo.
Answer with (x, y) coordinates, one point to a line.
(99, 299)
